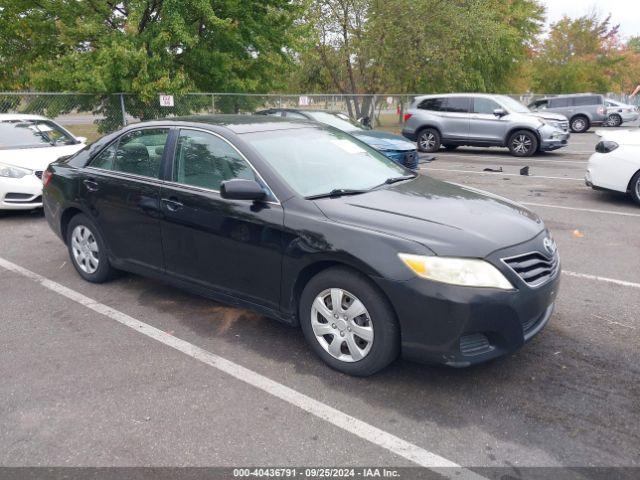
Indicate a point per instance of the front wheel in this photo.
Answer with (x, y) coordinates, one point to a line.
(635, 187)
(348, 323)
(614, 120)
(428, 140)
(523, 143)
(87, 250)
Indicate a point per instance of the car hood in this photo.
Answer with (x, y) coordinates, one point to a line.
(448, 219)
(550, 116)
(37, 158)
(383, 140)
(623, 137)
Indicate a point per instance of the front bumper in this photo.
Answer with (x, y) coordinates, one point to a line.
(553, 139)
(462, 326)
(20, 193)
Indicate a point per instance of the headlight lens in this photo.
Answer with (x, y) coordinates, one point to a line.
(13, 172)
(468, 272)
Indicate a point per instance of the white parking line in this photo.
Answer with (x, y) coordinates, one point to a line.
(590, 210)
(321, 410)
(540, 161)
(500, 173)
(622, 283)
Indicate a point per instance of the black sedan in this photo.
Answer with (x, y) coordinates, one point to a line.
(306, 224)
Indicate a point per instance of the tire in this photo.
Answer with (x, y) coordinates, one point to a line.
(580, 124)
(523, 143)
(355, 355)
(87, 250)
(428, 140)
(614, 120)
(634, 187)
(450, 147)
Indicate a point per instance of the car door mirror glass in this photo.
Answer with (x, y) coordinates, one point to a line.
(240, 189)
(499, 112)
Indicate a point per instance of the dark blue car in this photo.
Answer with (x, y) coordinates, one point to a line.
(395, 147)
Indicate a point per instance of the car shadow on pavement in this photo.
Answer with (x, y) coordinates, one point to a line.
(550, 395)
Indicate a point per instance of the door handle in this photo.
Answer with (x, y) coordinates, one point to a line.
(172, 205)
(91, 185)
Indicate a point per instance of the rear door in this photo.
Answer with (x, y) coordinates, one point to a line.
(484, 125)
(232, 246)
(121, 188)
(455, 117)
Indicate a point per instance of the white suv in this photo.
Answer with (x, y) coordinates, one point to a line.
(482, 120)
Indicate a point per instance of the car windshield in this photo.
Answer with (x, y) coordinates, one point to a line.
(512, 105)
(317, 161)
(336, 120)
(32, 134)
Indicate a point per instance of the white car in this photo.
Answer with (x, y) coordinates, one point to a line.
(28, 144)
(616, 163)
(619, 113)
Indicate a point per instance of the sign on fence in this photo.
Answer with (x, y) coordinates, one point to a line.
(166, 100)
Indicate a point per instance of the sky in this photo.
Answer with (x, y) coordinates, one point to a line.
(623, 12)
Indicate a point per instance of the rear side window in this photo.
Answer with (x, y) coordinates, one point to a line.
(587, 100)
(457, 104)
(139, 153)
(432, 104)
(484, 105)
(206, 160)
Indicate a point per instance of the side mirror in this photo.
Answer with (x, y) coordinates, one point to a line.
(500, 112)
(239, 189)
(81, 139)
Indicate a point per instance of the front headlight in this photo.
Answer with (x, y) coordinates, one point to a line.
(468, 272)
(13, 172)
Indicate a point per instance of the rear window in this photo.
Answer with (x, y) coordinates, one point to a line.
(433, 104)
(32, 134)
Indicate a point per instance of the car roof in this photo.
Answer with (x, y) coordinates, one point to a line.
(564, 95)
(468, 94)
(8, 117)
(235, 123)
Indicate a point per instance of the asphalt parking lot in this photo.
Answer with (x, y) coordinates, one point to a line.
(83, 387)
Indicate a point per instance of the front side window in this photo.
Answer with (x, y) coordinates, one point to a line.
(559, 102)
(316, 161)
(587, 100)
(206, 160)
(484, 105)
(33, 134)
(139, 153)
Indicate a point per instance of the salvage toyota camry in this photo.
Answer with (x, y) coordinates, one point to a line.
(306, 224)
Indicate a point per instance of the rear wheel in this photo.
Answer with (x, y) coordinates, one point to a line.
(348, 323)
(579, 124)
(523, 143)
(428, 140)
(635, 187)
(87, 250)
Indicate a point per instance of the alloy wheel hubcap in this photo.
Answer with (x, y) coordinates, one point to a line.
(578, 124)
(638, 188)
(427, 141)
(85, 249)
(342, 325)
(521, 144)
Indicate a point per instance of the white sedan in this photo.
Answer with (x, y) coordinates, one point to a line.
(616, 163)
(28, 144)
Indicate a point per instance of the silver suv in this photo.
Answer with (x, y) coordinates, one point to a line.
(582, 109)
(482, 120)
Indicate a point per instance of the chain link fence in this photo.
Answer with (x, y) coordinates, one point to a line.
(91, 115)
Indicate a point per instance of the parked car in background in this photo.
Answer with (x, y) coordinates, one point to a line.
(583, 110)
(28, 143)
(482, 120)
(306, 224)
(619, 113)
(392, 146)
(616, 164)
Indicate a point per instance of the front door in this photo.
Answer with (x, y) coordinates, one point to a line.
(122, 191)
(231, 246)
(484, 125)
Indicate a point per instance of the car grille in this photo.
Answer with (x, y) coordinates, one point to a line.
(411, 159)
(474, 344)
(534, 268)
(18, 198)
(564, 126)
(39, 174)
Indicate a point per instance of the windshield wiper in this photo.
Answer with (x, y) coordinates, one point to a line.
(392, 180)
(337, 192)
